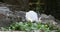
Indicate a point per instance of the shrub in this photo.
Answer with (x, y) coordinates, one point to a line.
(27, 26)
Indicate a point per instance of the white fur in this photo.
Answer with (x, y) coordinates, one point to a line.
(31, 16)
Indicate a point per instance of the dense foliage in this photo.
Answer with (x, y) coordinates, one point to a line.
(27, 26)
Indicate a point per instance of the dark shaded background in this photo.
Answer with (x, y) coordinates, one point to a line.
(46, 6)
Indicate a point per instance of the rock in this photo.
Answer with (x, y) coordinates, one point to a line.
(43, 16)
(4, 21)
(51, 17)
(47, 19)
(53, 31)
(20, 14)
(36, 31)
(4, 10)
(4, 14)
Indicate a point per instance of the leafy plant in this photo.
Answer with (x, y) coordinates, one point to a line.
(58, 30)
(27, 26)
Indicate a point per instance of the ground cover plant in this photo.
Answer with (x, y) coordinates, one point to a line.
(26, 26)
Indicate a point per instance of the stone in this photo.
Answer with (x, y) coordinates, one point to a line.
(4, 10)
(51, 17)
(47, 19)
(20, 14)
(4, 14)
(43, 16)
(53, 31)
